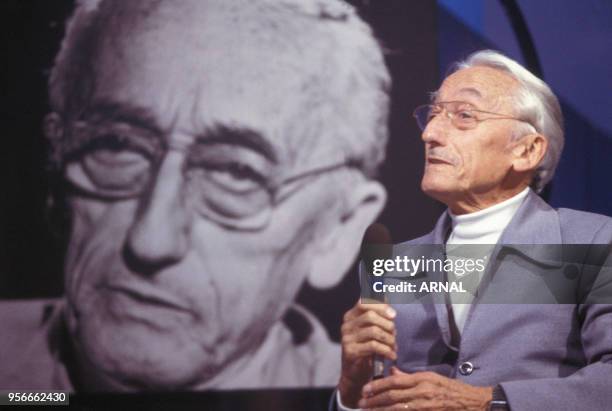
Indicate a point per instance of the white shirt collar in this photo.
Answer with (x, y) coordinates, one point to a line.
(485, 226)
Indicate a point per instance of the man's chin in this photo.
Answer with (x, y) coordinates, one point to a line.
(133, 357)
(438, 190)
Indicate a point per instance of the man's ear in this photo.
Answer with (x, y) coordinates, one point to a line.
(336, 252)
(529, 152)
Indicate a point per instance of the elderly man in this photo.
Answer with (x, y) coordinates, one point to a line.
(216, 154)
(493, 137)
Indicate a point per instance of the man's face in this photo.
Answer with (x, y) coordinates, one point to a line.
(464, 164)
(157, 290)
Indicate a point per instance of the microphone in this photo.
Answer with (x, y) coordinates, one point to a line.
(377, 244)
(379, 367)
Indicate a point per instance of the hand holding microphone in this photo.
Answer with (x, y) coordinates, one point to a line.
(368, 336)
(376, 244)
(368, 330)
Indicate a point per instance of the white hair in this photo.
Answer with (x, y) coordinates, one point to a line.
(536, 104)
(352, 74)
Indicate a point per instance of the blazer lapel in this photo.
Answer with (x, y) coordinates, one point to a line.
(534, 223)
(438, 237)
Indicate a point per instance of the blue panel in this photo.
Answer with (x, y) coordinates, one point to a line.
(469, 12)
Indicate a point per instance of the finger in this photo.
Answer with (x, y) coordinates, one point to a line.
(353, 327)
(360, 307)
(424, 377)
(385, 399)
(394, 407)
(372, 317)
(366, 349)
(383, 309)
(417, 398)
(397, 371)
(418, 405)
(372, 332)
(401, 381)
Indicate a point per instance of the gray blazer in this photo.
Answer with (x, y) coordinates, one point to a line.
(545, 356)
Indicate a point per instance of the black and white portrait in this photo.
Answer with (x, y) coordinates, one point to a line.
(210, 158)
(207, 169)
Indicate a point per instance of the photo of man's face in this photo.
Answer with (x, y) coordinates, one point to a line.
(201, 191)
(208, 171)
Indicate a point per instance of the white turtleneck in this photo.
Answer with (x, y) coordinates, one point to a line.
(480, 227)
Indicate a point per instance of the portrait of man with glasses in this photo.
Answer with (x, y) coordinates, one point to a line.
(493, 136)
(214, 155)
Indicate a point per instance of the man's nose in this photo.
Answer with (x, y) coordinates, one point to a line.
(160, 233)
(436, 130)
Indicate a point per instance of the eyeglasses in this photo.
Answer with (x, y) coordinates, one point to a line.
(227, 187)
(461, 114)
